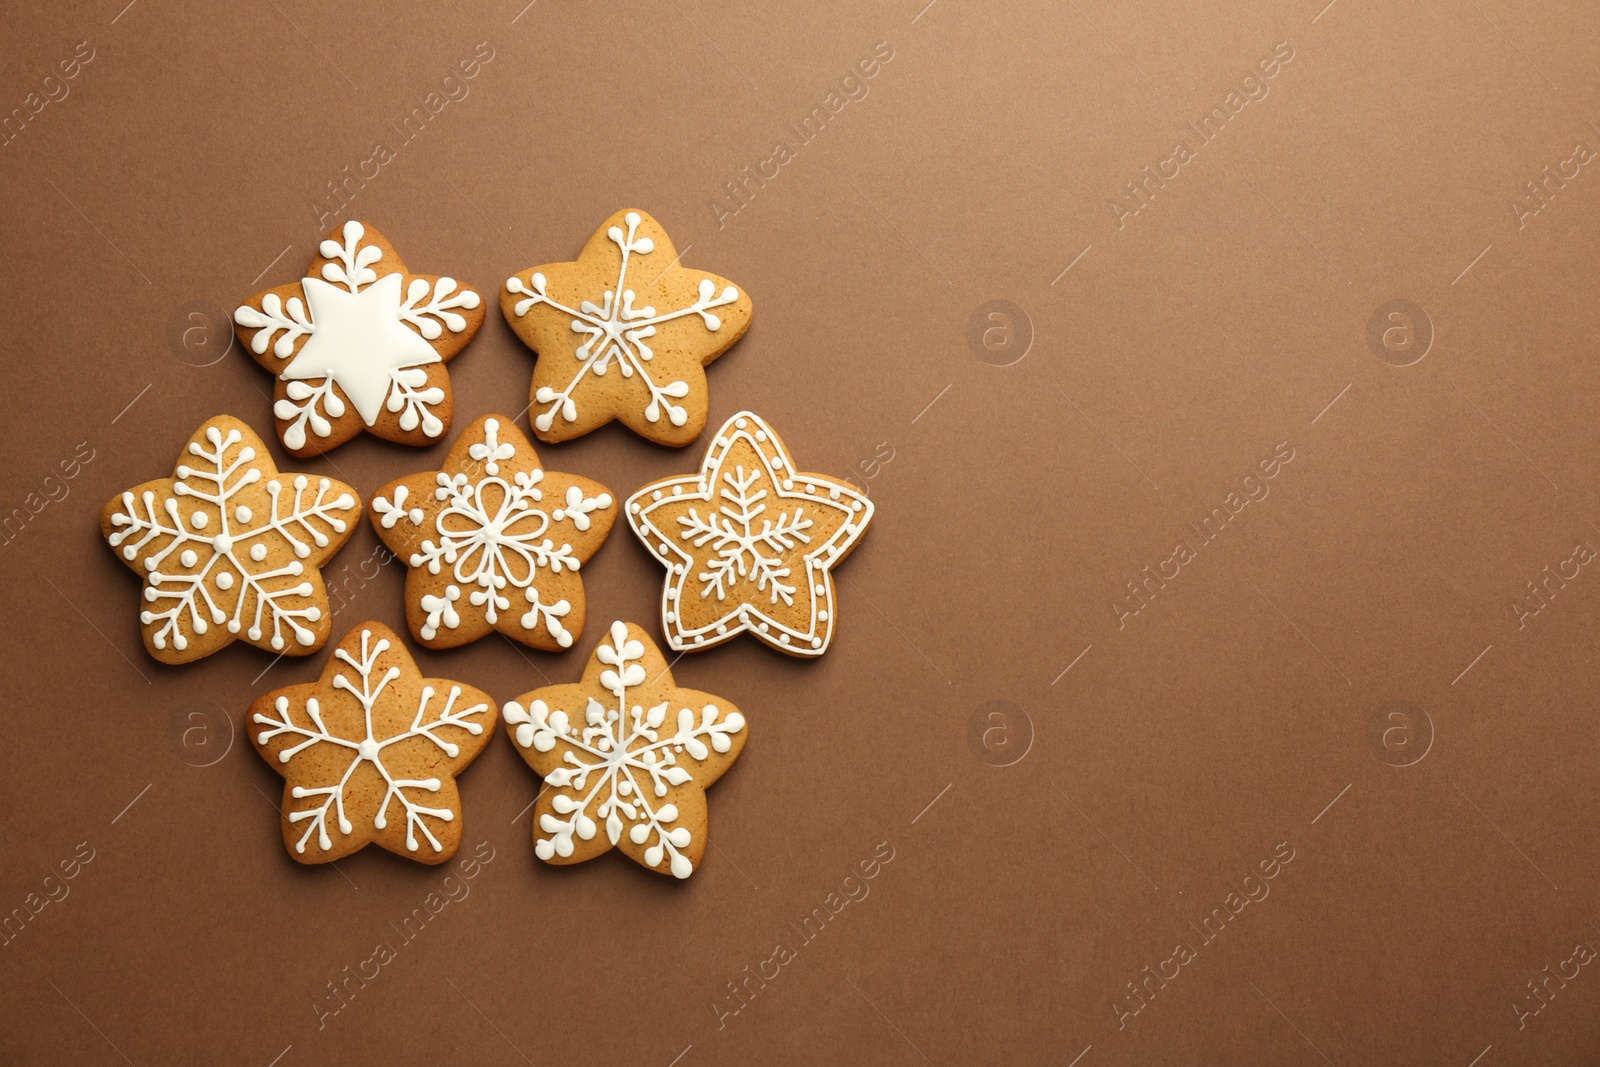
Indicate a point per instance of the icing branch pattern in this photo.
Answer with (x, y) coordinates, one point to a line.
(621, 765)
(211, 545)
(615, 333)
(495, 527)
(327, 810)
(368, 334)
(730, 531)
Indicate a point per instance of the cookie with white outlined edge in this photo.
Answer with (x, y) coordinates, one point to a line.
(370, 752)
(493, 541)
(624, 332)
(626, 757)
(359, 343)
(231, 549)
(749, 543)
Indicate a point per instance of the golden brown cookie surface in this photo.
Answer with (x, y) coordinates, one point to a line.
(370, 752)
(749, 543)
(624, 332)
(494, 541)
(359, 343)
(230, 548)
(626, 757)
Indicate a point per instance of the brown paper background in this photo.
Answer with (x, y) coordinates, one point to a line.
(1231, 714)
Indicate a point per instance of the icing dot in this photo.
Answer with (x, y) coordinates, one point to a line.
(784, 638)
(699, 639)
(558, 514)
(762, 627)
(242, 513)
(224, 580)
(678, 568)
(761, 435)
(777, 461)
(721, 629)
(677, 490)
(816, 642)
(188, 558)
(656, 495)
(198, 520)
(855, 505)
(258, 552)
(672, 594)
(634, 508)
(822, 616)
(788, 483)
(817, 589)
(672, 616)
(834, 492)
(415, 515)
(663, 548)
(810, 488)
(741, 423)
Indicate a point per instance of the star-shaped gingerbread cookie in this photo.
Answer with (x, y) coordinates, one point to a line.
(359, 343)
(229, 548)
(493, 541)
(749, 543)
(626, 757)
(624, 332)
(370, 752)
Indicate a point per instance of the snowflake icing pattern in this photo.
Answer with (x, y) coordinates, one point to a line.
(749, 543)
(358, 331)
(311, 734)
(741, 550)
(205, 541)
(627, 751)
(615, 332)
(494, 524)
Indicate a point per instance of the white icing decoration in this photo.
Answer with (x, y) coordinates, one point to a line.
(617, 331)
(494, 533)
(633, 752)
(740, 547)
(371, 342)
(368, 748)
(296, 522)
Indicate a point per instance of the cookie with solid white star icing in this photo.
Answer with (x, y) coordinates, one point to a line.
(626, 757)
(370, 752)
(749, 543)
(494, 541)
(359, 343)
(625, 332)
(230, 548)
